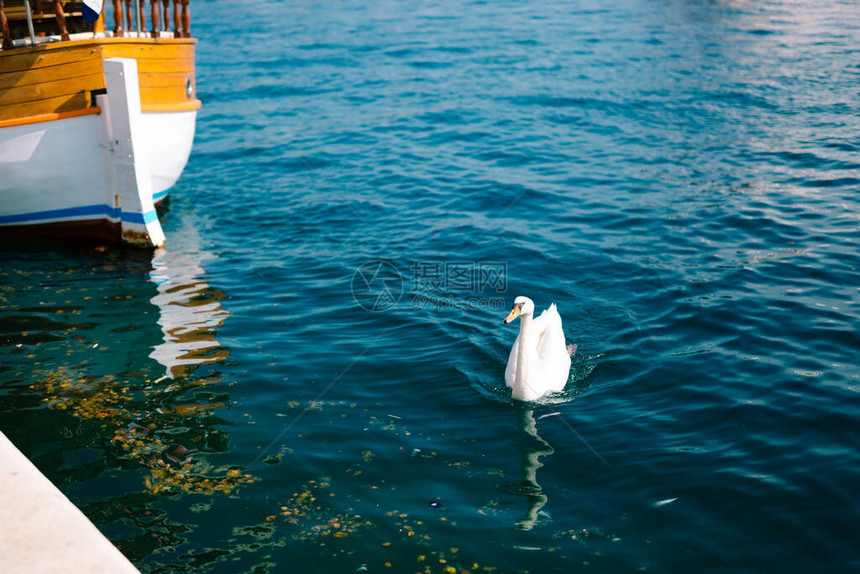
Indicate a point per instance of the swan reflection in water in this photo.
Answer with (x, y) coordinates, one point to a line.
(532, 454)
(190, 313)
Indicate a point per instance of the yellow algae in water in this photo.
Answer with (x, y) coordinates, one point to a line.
(112, 402)
(313, 518)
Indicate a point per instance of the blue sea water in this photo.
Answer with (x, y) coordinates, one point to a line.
(310, 377)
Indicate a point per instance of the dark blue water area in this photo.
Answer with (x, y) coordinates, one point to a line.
(310, 377)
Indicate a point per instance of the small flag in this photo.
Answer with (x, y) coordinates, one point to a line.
(92, 9)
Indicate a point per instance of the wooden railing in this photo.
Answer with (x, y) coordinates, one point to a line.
(129, 19)
(160, 17)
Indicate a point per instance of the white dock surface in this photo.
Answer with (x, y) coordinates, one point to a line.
(41, 531)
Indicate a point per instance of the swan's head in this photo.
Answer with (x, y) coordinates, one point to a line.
(522, 306)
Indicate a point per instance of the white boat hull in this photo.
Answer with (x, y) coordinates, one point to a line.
(74, 187)
(169, 137)
(52, 171)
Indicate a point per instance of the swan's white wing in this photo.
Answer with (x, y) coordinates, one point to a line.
(552, 349)
(549, 331)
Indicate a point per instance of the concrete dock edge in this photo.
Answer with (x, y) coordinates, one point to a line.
(41, 531)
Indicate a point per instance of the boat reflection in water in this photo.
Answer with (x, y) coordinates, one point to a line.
(190, 313)
(180, 432)
(113, 349)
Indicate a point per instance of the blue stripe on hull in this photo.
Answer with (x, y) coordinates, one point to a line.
(82, 211)
(141, 218)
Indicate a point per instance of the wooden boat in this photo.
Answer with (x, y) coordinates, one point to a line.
(96, 125)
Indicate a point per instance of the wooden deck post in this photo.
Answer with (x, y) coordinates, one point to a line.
(129, 16)
(61, 19)
(141, 15)
(186, 19)
(165, 21)
(177, 22)
(4, 27)
(117, 19)
(154, 17)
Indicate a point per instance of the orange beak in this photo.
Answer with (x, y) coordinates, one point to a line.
(515, 312)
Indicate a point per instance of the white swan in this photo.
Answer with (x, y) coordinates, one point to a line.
(540, 360)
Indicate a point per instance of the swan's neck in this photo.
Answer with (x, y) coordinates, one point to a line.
(525, 345)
